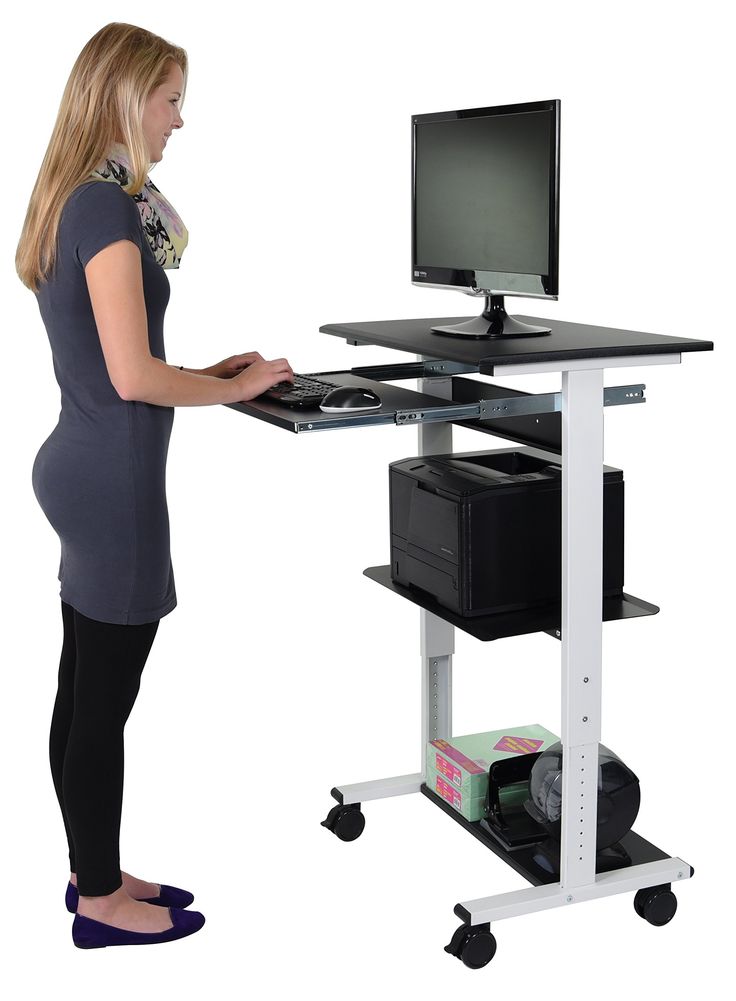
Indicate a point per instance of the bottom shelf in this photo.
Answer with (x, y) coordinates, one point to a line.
(525, 860)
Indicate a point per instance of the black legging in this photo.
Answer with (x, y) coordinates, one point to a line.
(99, 677)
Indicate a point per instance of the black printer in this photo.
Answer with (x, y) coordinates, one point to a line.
(481, 532)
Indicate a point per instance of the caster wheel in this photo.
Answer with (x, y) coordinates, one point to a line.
(656, 904)
(474, 945)
(347, 822)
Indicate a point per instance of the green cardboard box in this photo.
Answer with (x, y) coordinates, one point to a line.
(457, 767)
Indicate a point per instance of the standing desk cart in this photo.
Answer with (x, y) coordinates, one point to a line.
(570, 423)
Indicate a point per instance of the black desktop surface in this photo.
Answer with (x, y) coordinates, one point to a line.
(567, 341)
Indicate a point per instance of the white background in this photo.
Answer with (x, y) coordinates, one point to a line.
(292, 173)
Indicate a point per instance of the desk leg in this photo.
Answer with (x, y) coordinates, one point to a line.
(582, 636)
(436, 637)
(437, 644)
(582, 585)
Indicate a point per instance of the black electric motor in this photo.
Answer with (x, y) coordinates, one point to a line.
(618, 795)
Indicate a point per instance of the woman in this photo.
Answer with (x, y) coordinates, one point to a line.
(97, 240)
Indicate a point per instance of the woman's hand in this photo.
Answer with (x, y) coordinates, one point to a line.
(258, 377)
(231, 366)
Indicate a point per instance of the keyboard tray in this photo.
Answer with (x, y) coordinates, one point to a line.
(393, 399)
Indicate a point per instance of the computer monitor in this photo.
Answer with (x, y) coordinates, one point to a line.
(485, 209)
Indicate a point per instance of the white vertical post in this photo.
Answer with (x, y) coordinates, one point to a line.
(436, 636)
(582, 612)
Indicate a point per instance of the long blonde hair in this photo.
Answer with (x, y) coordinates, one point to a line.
(103, 103)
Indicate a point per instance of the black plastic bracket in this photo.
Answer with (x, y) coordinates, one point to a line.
(430, 368)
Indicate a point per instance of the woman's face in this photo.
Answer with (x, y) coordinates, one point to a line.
(161, 112)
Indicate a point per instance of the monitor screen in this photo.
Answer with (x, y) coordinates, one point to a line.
(486, 199)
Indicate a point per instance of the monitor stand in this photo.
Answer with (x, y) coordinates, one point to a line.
(493, 322)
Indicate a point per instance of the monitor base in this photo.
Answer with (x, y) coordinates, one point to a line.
(493, 322)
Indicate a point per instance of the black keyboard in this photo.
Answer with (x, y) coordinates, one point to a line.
(306, 391)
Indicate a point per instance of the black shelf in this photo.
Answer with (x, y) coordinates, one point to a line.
(545, 619)
(567, 341)
(523, 860)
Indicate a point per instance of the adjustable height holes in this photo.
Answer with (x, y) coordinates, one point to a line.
(435, 696)
(582, 782)
(582, 796)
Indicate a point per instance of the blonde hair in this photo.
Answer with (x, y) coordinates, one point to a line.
(103, 103)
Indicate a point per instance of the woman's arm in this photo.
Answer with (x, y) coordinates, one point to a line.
(115, 282)
(196, 371)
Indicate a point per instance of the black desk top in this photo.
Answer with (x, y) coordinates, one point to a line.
(567, 341)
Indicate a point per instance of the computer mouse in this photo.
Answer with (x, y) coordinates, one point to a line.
(347, 398)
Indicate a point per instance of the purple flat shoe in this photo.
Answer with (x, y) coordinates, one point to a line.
(90, 934)
(170, 896)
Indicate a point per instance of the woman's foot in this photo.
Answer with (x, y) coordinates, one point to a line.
(122, 911)
(138, 889)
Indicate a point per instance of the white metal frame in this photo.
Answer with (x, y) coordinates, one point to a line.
(582, 575)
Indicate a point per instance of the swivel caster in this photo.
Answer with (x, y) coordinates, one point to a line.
(347, 822)
(474, 945)
(656, 904)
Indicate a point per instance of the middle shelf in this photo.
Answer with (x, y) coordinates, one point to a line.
(544, 618)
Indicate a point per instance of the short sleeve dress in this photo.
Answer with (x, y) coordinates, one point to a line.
(100, 476)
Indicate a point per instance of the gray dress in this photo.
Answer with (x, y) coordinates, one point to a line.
(100, 476)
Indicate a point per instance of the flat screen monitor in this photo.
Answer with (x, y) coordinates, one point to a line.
(485, 208)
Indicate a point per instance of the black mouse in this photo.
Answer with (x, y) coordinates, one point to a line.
(349, 398)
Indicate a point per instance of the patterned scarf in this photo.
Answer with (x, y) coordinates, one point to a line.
(162, 225)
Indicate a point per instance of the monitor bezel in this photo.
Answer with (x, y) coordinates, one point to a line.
(477, 282)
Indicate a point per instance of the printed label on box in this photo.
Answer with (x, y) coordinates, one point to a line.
(447, 792)
(459, 758)
(518, 745)
(449, 771)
